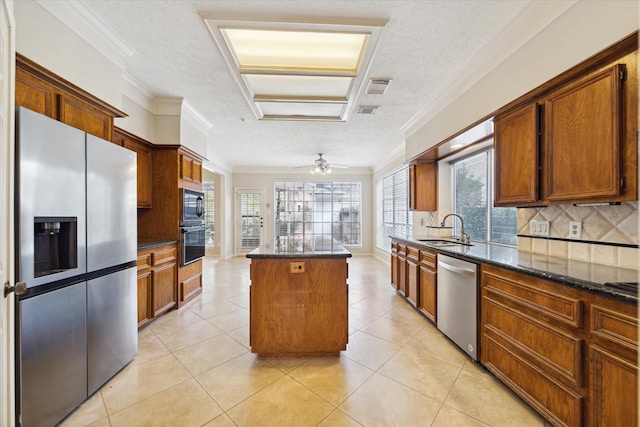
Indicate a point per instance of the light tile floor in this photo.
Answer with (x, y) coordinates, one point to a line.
(195, 368)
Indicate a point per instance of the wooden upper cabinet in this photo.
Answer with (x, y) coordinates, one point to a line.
(423, 186)
(190, 168)
(82, 115)
(143, 150)
(574, 138)
(582, 138)
(44, 92)
(34, 94)
(517, 157)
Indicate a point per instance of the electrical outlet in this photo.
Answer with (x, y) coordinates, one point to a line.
(575, 229)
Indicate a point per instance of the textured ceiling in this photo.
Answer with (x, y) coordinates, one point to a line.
(424, 48)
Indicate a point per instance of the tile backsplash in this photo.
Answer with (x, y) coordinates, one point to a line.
(607, 223)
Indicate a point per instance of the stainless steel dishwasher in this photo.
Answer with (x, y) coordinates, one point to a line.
(457, 292)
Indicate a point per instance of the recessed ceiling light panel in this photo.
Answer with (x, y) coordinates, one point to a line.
(297, 69)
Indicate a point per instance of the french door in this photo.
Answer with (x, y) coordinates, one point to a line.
(249, 219)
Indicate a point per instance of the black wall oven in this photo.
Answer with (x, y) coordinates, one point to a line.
(192, 245)
(192, 229)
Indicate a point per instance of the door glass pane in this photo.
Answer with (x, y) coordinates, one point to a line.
(209, 211)
(250, 220)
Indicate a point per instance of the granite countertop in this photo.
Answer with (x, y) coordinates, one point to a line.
(581, 274)
(272, 251)
(150, 244)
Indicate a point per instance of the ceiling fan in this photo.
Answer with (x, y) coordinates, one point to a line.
(321, 167)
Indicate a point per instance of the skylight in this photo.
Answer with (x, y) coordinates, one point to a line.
(297, 70)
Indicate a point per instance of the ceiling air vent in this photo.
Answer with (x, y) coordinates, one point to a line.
(367, 109)
(378, 86)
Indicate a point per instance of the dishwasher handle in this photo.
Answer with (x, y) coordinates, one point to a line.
(455, 269)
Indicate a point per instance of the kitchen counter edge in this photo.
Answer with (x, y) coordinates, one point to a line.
(539, 265)
(151, 245)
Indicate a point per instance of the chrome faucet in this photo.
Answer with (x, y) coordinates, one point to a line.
(464, 237)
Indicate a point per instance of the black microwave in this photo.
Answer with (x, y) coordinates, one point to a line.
(192, 206)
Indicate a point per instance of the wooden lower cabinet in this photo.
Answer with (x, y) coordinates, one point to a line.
(571, 354)
(189, 282)
(157, 275)
(613, 359)
(402, 269)
(427, 284)
(394, 264)
(413, 275)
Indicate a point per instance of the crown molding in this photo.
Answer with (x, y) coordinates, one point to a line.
(196, 119)
(82, 21)
(534, 18)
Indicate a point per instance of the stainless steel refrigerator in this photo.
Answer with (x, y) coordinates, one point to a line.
(76, 246)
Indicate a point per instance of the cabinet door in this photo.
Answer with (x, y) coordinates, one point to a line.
(164, 288)
(190, 169)
(34, 94)
(81, 115)
(423, 186)
(516, 158)
(394, 270)
(402, 275)
(413, 278)
(145, 312)
(582, 138)
(427, 295)
(143, 152)
(614, 388)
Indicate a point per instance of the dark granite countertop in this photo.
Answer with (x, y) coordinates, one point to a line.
(581, 274)
(150, 244)
(271, 251)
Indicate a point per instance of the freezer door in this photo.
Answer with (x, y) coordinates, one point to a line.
(51, 183)
(112, 325)
(111, 204)
(53, 360)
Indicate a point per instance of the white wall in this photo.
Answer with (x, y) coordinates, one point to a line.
(265, 181)
(583, 30)
(44, 39)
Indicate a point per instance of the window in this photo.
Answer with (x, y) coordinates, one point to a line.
(209, 212)
(317, 215)
(396, 219)
(473, 200)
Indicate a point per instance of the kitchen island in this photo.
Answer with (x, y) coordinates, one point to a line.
(298, 301)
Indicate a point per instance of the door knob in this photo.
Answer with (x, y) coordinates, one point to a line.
(19, 288)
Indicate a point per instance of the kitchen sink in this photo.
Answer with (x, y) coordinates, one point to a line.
(443, 242)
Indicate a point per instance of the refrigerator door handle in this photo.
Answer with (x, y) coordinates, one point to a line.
(19, 288)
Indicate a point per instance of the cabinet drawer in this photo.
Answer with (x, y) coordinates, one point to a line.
(402, 249)
(553, 400)
(413, 253)
(614, 327)
(163, 256)
(428, 259)
(143, 261)
(539, 298)
(552, 350)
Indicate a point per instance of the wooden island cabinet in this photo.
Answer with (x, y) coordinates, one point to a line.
(298, 303)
